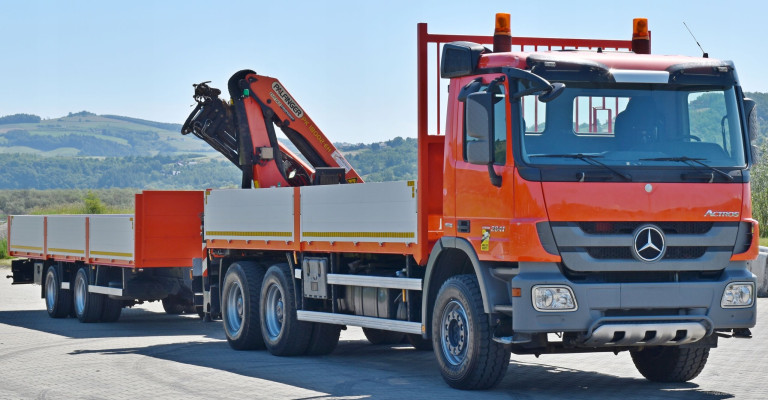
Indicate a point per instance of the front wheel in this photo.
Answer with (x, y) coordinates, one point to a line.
(284, 334)
(58, 301)
(468, 356)
(669, 363)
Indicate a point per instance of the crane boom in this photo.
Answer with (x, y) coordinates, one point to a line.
(243, 131)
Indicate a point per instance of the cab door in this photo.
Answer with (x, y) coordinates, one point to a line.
(484, 197)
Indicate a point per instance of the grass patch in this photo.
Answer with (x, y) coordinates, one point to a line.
(764, 242)
(4, 249)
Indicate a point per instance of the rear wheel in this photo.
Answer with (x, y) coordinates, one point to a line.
(284, 334)
(379, 336)
(112, 309)
(324, 339)
(88, 306)
(468, 356)
(669, 363)
(173, 306)
(58, 301)
(240, 305)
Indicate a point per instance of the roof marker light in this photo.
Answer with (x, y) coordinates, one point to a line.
(640, 30)
(641, 36)
(502, 35)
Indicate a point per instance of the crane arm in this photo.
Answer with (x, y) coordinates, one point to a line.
(243, 130)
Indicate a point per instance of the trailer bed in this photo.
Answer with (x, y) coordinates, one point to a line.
(163, 232)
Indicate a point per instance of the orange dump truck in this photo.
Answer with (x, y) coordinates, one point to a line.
(584, 196)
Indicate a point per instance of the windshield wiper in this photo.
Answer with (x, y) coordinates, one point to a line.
(589, 159)
(689, 160)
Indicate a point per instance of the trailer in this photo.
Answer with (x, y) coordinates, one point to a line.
(584, 196)
(91, 266)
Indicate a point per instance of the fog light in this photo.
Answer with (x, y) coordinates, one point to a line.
(738, 295)
(553, 298)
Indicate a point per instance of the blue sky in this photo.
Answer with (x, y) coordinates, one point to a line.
(350, 64)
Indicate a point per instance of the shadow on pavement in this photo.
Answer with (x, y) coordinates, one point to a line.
(133, 322)
(357, 369)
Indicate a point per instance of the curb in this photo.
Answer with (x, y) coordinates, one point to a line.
(759, 268)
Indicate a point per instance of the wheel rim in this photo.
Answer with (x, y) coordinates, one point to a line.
(81, 291)
(51, 287)
(274, 311)
(235, 308)
(454, 333)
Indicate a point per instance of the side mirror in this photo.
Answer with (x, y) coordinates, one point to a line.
(460, 59)
(478, 118)
(750, 109)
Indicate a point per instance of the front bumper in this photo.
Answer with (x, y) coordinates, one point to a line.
(642, 309)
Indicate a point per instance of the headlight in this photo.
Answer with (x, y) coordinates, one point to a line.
(553, 298)
(738, 295)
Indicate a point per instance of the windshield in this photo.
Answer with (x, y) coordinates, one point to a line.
(634, 125)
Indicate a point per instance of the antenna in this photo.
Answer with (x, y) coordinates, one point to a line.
(705, 55)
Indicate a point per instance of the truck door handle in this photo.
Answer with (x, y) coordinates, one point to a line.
(463, 225)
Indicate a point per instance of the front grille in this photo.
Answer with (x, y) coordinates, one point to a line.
(669, 228)
(608, 246)
(624, 253)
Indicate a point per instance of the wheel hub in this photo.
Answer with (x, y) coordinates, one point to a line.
(454, 333)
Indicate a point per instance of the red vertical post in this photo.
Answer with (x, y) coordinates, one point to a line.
(422, 99)
(437, 84)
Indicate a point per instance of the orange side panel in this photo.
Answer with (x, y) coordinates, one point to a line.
(168, 230)
(430, 194)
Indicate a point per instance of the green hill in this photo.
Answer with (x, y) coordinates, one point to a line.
(88, 134)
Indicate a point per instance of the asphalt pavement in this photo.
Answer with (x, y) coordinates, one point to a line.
(150, 355)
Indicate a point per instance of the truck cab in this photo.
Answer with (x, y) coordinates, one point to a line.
(600, 194)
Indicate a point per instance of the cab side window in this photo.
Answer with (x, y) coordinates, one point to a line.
(500, 128)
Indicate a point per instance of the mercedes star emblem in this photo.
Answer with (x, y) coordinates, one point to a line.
(649, 243)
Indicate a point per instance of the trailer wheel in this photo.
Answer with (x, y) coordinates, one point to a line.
(284, 334)
(324, 339)
(670, 363)
(112, 309)
(173, 306)
(58, 301)
(380, 336)
(88, 306)
(240, 305)
(462, 340)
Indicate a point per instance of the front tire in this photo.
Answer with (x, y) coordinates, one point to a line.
(58, 301)
(669, 363)
(468, 356)
(88, 306)
(284, 334)
(240, 306)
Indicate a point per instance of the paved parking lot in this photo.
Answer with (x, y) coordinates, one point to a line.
(149, 354)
